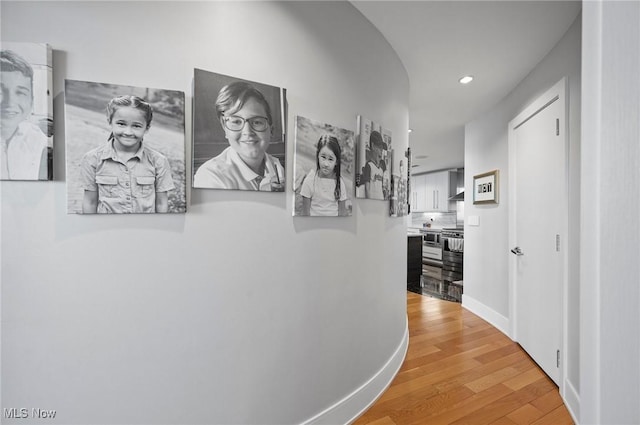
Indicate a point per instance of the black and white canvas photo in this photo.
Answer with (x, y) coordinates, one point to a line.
(398, 204)
(323, 169)
(238, 134)
(409, 166)
(26, 125)
(125, 149)
(374, 160)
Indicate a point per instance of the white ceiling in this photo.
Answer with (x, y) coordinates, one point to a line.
(498, 42)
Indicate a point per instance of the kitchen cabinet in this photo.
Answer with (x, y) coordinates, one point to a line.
(431, 192)
(418, 193)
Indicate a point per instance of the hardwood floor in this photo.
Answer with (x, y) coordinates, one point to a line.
(461, 370)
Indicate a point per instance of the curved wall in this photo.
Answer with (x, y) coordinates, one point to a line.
(235, 312)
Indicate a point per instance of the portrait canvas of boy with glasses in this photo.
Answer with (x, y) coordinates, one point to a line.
(239, 140)
(26, 120)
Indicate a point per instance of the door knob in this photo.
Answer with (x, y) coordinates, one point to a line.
(517, 251)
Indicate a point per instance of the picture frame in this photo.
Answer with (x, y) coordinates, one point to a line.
(316, 193)
(98, 179)
(27, 121)
(486, 187)
(374, 168)
(399, 199)
(220, 161)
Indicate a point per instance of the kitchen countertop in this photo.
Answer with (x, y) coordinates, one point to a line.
(422, 230)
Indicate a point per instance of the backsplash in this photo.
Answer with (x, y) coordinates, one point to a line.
(437, 219)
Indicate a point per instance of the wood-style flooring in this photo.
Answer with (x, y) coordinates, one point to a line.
(461, 370)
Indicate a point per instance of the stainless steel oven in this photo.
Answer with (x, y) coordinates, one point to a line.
(432, 247)
(452, 259)
(432, 237)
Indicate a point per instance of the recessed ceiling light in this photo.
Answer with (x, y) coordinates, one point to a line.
(466, 79)
(410, 130)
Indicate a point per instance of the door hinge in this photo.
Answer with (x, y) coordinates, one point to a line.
(557, 126)
(557, 243)
(558, 358)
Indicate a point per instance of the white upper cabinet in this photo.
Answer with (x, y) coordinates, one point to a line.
(418, 193)
(431, 192)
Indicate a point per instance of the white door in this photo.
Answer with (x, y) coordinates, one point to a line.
(538, 180)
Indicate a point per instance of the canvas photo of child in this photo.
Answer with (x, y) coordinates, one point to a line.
(373, 175)
(323, 169)
(26, 121)
(398, 205)
(125, 149)
(238, 134)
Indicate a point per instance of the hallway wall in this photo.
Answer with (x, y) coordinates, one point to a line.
(610, 270)
(487, 255)
(235, 312)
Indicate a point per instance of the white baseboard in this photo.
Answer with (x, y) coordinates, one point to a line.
(355, 404)
(496, 319)
(571, 400)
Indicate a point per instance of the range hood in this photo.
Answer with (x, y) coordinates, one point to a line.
(458, 197)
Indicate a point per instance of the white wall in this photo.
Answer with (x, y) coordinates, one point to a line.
(235, 312)
(610, 270)
(486, 279)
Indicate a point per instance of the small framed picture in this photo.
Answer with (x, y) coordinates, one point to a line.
(485, 188)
